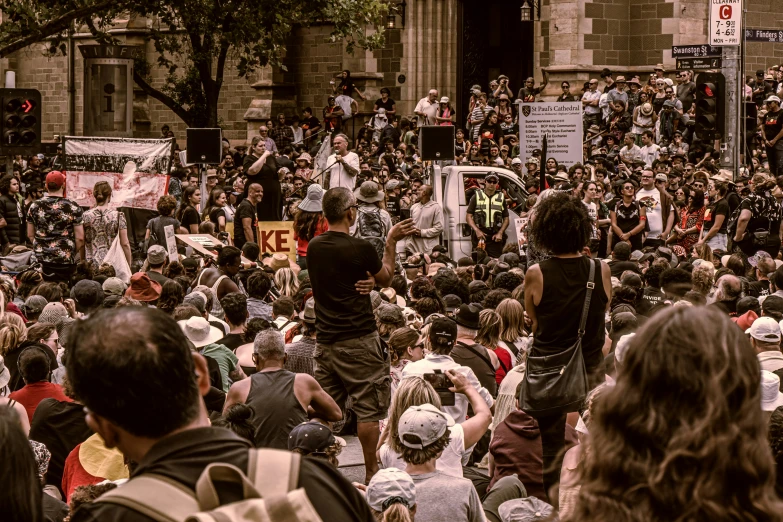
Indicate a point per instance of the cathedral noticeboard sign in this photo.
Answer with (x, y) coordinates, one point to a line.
(108, 90)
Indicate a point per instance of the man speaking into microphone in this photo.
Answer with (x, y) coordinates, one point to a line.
(343, 166)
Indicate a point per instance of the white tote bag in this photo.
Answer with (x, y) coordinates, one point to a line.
(116, 258)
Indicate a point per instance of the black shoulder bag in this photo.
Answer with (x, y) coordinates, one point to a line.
(556, 384)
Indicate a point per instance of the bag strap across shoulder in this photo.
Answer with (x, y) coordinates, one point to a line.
(479, 355)
(588, 297)
(283, 465)
(155, 496)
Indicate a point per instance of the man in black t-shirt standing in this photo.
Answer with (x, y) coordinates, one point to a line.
(773, 135)
(349, 356)
(246, 218)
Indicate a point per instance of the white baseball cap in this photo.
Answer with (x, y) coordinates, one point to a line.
(772, 98)
(389, 486)
(516, 161)
(771, 398)
(425, 422)
(765, 329)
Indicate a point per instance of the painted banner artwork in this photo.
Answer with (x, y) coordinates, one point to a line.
(89, 160)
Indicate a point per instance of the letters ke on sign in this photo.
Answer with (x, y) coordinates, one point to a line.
(764, 35)
(560, 121)
(725, 22)
(277, 236)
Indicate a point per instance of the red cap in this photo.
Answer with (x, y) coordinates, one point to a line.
(56, 177)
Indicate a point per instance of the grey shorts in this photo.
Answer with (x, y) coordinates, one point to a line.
(356, 368)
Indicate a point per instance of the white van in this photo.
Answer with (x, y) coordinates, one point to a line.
(448, 186)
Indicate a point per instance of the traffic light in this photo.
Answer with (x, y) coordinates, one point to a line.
(21, 121)
(710, 104)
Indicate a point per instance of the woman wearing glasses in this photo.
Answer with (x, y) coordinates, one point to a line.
(566, 94)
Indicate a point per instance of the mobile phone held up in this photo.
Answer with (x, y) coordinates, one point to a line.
(441, 382)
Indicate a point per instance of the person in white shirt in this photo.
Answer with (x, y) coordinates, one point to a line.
(590, 100)
(297, 130)
(649, 150)
(631, 152)
(765, 338)
(344, 164)
(348, 105)
(427, 216)
(653, 201)
(443, 338)
(427, 108)
(415, 391)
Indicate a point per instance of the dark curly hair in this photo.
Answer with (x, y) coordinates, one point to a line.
(171, 296)
(681, 436)
(506, 281)
(5, 183)
(237, 419)
(254, 326)
(422, 287)
(561, 225)
(426, 306)
(494, 298)
(305, 224)
(167, 204)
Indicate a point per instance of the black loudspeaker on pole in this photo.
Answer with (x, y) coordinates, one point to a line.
(205, 146)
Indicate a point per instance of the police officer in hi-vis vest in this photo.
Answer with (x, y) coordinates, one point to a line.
(487, 215)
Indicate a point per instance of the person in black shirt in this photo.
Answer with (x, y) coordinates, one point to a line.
(310, 124)
(555, 297)
(346, 86)
(158, 418)
(351, 361)
(773, 135)
(245, 218)
(261, 167)
(187, 214)
(716, 217)
(385, 102)
(621, 260)
(490, 132)
(628, 218)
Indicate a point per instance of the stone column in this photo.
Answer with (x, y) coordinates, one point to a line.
(430, 52)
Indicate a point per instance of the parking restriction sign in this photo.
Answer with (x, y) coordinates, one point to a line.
(725, 22)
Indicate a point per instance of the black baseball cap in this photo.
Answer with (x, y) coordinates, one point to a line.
(443, 332)
(452, 302)
(491, 176)
(312, 437)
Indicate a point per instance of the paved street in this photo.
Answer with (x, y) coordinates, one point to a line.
(351, 461)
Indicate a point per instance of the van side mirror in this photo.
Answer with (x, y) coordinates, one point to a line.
(466, 230)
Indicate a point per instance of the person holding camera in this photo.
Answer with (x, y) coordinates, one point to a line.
(502, 88)
(443, 338)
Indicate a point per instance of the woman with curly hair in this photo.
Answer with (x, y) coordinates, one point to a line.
(682, 435)
(27, 282)
(171, 296)
(156, 234)
(563, 228)
(309, 222)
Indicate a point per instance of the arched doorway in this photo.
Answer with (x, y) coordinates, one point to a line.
(493, 41)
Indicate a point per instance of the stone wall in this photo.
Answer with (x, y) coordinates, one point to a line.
(763, 14)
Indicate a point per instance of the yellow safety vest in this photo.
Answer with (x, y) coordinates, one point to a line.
(489, 206)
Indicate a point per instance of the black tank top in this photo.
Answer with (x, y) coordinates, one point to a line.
(560, 309)
(276, 409)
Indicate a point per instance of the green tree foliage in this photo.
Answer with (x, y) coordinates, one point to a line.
(194, 39)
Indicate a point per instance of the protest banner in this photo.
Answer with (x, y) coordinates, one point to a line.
(136, 169)
(205, 245)
(520, 225)
(561, 122)
(171, 243)
(277, 236)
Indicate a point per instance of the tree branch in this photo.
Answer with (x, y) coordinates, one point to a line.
(55, 26)
(168, 101)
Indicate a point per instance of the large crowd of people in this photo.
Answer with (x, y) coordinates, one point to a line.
(622, 363)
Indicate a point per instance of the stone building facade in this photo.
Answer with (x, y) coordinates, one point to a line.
(444, 44)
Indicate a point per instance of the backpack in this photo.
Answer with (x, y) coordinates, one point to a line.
(370, 227)
(265, 499)
(731, 224)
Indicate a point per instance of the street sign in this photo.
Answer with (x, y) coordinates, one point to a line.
(694, 51)
(725, 22)
(764, 35)
(699, 63)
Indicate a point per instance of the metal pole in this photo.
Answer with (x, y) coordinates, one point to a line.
(729, 158)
